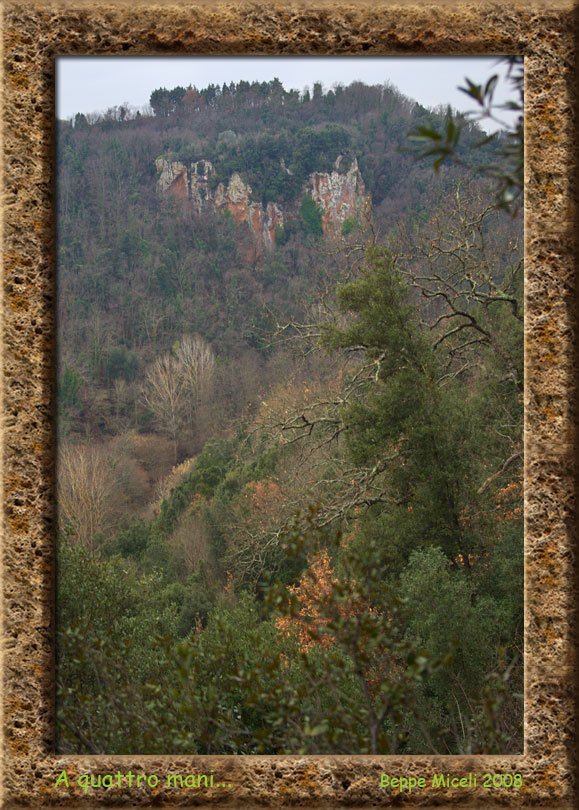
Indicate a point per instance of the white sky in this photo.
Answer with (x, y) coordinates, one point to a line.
(95, 83)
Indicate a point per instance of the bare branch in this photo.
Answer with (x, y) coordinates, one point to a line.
(495, 475)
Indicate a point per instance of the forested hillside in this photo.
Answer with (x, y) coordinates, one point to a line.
(290, 468)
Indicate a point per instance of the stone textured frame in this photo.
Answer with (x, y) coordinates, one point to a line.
(33, 34)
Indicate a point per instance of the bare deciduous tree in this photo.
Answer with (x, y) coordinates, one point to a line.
(86, 484)
(189, 543)
(178, 385)
(198, 367)
(165, 394)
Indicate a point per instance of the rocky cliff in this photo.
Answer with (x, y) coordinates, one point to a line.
(341, 194)
(192, 183)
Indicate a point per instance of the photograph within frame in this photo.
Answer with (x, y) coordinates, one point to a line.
(290, 378)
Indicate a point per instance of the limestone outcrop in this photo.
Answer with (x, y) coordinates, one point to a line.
(341, 194)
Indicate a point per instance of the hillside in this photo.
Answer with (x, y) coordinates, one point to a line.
(290, 430)
(135, 272)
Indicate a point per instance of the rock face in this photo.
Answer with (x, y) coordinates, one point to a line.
(340, 194)
(172, 177)
(192, 183)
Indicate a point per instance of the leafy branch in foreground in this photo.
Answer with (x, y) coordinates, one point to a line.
(444, 144)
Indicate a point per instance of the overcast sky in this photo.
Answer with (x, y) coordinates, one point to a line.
(95, 83)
